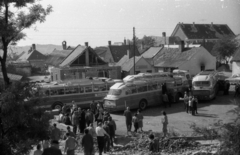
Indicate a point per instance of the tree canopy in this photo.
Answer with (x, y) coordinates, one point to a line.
(225, 48)
(22, 124)
(15, 16)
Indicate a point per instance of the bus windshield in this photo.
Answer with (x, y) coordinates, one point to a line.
(114, 92)
(179, 74)
(201, 83)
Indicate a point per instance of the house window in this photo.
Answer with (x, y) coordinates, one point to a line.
(202, 67)
(149, 71)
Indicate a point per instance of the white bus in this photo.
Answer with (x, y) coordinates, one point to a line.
(205, 85)
(142, 93)
(83, 93)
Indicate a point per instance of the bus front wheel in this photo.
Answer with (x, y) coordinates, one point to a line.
(57, 105)
(143, 104)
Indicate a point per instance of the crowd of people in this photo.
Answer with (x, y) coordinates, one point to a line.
(190, 103)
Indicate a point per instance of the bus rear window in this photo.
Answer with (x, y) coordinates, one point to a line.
(202, 83)
(114, 92)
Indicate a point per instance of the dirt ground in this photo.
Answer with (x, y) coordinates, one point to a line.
(209, 112)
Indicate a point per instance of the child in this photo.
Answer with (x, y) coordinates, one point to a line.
(135, 122)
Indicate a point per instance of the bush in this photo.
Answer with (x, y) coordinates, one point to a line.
(23, 124)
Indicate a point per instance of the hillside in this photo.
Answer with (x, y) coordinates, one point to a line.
(44, 49)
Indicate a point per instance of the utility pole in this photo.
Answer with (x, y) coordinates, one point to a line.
(134, 51)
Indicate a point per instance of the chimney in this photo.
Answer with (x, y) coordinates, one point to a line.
(125, 42)
(128, 54)
(181, 46)
(33, 47)
(193, 24)
(211, 23)
(64, 45)
(87, 54)
(164, 34)
(109, 43)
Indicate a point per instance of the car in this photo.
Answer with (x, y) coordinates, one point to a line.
(234, 79)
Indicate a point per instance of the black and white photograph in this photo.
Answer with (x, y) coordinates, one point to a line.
(119, 77)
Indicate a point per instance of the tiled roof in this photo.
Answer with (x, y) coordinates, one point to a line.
(151, 52)
(119, 51)
(32, 55)
(57, 56)
(207, 31)
(209, 46)
(12, 77)
(128, 65)
(124, 59)
(73, 55)
(101, 51)
(172, 57)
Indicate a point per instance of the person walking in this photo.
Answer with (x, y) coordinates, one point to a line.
(112, 129)
(82, 122)
(55, 133)
(100, 132)
(91, 130)
(53, 150)
(70, 145)
(128, 117)
(185, 101)
(106, 138)
(45, 143)
(66, 119)
(135, 122)
(164, 123)
(87, 143)
(72, 134)
(75, 120)
(89, 117)
(195, 103)
(165, 100)
(140, 119)
(190, 105)
(38, 151)
(93, 107)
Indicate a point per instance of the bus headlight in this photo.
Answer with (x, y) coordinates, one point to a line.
(109, 103)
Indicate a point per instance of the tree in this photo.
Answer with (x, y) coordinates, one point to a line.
(224, 49)
(14, 21)
(22, 124)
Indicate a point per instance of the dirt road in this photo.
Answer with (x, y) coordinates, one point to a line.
(209, 112)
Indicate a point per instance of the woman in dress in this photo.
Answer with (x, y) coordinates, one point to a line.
(165, 123)
(140, 119)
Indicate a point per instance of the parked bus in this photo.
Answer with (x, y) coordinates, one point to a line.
(205, 85)
(142, 93)
(83, 93)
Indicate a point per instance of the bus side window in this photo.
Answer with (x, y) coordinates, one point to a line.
(142, 88)
(154, 86)
(81, 89)
(134, 90)
(67, 91)
(47, 93)
(129, 91)
(103, 88)
(88, 89)
(74, 90)
(95, 88)
(53, 92)
(60, 91)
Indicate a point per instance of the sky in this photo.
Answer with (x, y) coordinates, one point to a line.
(100, 21)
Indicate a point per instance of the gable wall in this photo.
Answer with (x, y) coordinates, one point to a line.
(143, 66)
(201, 57)
(179, 32)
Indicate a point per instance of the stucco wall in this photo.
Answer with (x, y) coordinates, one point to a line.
(235, 68)
(143, 66)
(201, 57)
(180, 34)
